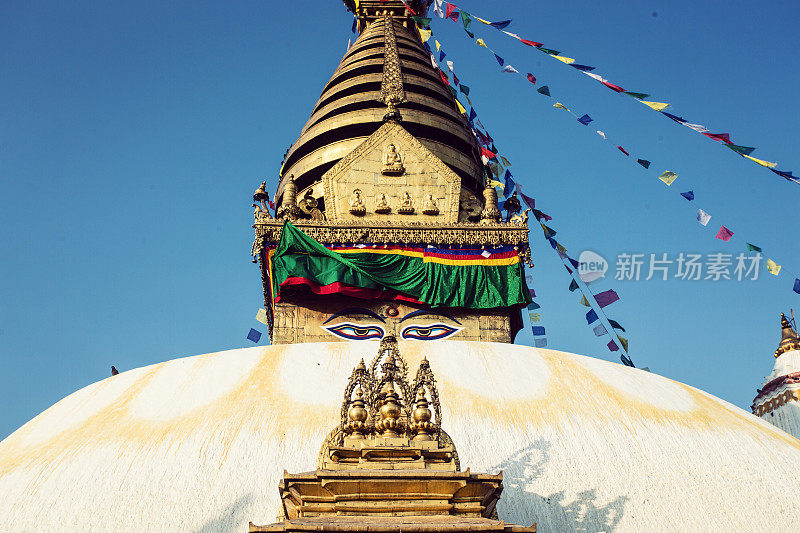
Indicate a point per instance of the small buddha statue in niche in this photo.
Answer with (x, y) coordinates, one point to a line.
(406, 207)
(357, 204)
(429, 206)
(381, 204)
(392, 162)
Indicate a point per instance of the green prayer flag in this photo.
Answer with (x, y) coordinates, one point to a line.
(744, 150)
(573, 286)
(640, 96)
(464, 89)
(453, 91)
(466, 19)
(429, 275)
(422, 22)
(548, 51)
(753, 248)
(505, 161)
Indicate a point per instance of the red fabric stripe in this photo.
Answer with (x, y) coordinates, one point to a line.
(621, 149)
(613, 87)
(347, 290)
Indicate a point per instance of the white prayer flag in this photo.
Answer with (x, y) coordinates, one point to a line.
(703, 217)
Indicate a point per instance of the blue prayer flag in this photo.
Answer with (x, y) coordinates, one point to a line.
(533, 306)
(797, 285)
(591, 316)
(585, 120)
(442, 55)
(254, 335)
(538, 330)
(500, 60)
(540, 343)
(689, 195)
(500, 25)
(574, 262)
(644, 162)
(786, 174)
(544, 89)
(510, 183)
(584, 68)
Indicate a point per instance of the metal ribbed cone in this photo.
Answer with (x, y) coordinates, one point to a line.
(349, 110)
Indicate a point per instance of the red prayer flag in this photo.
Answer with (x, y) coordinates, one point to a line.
(488, 153)
(444, 78)
(407, 6)
(724, 234)
(531, 78)
(530, 43)
(722, 137)
(450, 12)
(621, 149)
(612, 346)
(613, 87)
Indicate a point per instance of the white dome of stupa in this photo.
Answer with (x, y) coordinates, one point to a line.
(200, 443)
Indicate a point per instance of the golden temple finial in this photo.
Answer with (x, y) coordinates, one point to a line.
(421, 427)
(392, 92)
(789, 339)
(390, 425)
(357, 425)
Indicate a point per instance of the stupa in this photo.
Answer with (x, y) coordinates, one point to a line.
(778, 399)
(392, 397)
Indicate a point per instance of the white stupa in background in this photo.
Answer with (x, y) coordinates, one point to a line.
(778, 399)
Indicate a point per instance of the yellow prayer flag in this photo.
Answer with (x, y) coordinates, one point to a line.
(584, 302)
(495, 183)
(624, 342)
(658, 106)
(535, 317)
(560, 248)
(437, 45)
(425, 34)
(461, 108)
(763, 163)
(668, 177)
(505, 161)
(481, 20)
(773, 267)
(567, 60)
(559, 105)
(480, 42)
(261, 316)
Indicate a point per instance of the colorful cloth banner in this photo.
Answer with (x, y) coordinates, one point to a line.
(535, 317)
(658, 106)
(668, 177)
(470, 278)
(544, 89)
(621, 149)
(703, 217)
(613, 346)
(254, 335)
(606, 298)
(724, 234)
(573, 286)
(761, 162)
(509, 69)
(601, 134)
(616, 325)
(531, 78)
(538, 330)
(773, 267)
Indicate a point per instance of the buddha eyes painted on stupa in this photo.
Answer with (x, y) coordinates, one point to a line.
(359, 324)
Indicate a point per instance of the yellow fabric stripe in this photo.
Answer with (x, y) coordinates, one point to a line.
(442, 261)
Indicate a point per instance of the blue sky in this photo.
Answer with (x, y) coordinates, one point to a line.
(133, 135)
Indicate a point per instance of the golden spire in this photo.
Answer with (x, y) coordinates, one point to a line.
(421, 427)
(357, 426)
(789, 338)
(392, 91)
(389, 425)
